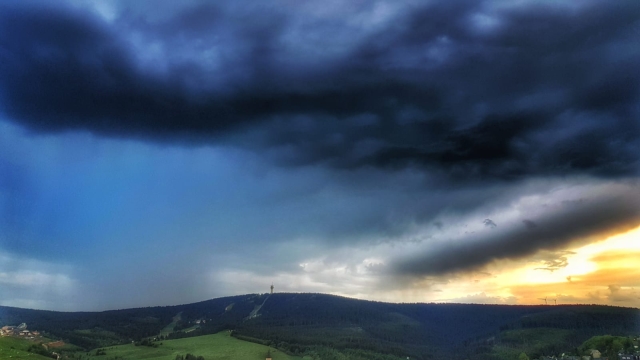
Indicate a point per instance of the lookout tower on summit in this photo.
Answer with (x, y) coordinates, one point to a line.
(272, 288)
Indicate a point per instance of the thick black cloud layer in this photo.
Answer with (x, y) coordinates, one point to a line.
(462, 90)
(537, 90)
(576, 222)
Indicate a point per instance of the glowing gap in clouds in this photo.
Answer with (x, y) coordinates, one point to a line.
(604, 272)
(592, 272)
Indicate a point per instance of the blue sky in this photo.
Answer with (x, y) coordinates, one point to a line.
(156, 153)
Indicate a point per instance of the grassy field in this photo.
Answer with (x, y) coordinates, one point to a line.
(220, 346)
(13, 348)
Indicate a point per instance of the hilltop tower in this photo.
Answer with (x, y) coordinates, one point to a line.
(272, 288)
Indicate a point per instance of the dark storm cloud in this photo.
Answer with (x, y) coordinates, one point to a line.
(529, 224)
(464, 89)
(489, 223)
(576, 222)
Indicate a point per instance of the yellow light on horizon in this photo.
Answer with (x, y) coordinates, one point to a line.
(590, 270)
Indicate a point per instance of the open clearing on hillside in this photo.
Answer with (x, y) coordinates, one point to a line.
(12, 348)
(169, 328)
(220, 346)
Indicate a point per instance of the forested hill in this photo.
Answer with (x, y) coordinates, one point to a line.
(424, 330)
(304, 323)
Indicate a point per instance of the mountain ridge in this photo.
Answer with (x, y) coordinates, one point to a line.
(301, 322)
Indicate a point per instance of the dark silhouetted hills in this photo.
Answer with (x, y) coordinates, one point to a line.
(314, 323)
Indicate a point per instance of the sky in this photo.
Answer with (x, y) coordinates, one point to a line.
(160, 153)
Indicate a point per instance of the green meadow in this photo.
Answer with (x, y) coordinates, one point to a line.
(13, 348)
(220, 346)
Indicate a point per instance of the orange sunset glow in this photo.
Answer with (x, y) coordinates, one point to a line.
(605, 272)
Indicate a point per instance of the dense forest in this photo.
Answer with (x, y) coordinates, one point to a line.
(332, 327)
